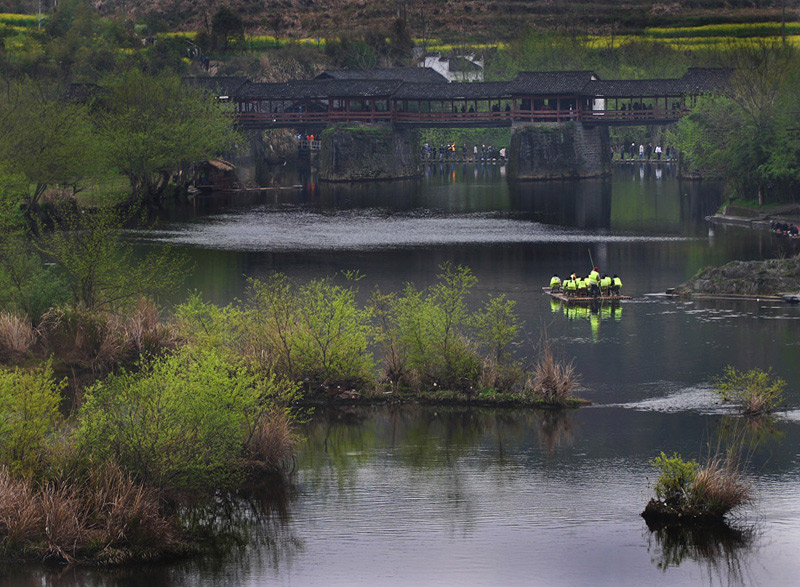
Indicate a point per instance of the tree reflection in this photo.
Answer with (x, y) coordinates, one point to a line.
(721, 548)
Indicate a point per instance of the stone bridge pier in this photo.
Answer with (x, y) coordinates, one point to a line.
(368, 152)
(558, 150)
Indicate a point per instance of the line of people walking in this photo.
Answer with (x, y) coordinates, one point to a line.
(453, 152)
(644, 152)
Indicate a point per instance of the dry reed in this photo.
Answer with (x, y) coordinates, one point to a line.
(105, 517)
(552, 380)
(17, 337)
(272, 443)
(720, 485)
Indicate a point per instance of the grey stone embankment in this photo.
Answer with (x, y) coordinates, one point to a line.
(746, 278)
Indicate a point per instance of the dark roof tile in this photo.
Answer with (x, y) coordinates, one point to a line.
(454, 91)
(550, 83)
(406, 74)
(324, 88)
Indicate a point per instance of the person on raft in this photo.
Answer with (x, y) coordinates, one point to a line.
(594, 282)
(555, 283)
(616, 285)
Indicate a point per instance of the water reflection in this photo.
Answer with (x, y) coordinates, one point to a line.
(722, 550)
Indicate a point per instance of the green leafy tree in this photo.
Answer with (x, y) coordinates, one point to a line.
(155, 126)
(45, 141)
(226, 25)
(100, 265)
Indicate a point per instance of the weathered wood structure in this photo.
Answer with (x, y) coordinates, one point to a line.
(533, 97)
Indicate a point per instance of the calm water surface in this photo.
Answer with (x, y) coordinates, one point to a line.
(482, 497)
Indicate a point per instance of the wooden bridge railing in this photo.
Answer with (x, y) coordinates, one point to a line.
(458, 118)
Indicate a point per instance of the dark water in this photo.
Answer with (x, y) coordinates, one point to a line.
(481, 497)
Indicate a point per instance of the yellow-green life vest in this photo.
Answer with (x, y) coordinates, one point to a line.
(554, 281)
(617, 282)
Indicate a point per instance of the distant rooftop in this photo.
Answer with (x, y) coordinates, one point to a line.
(406, 74)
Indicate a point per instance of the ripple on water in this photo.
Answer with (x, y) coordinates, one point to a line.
(699, 398)
(299, 230)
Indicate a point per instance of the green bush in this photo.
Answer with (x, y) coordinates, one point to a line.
(755, 391)
(183, 421)
(29, 401)
(676, 477)
(432, 331)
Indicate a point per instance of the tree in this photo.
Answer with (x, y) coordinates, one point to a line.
(100, 266)
(45, 141)
(156, 126)
(745, 135)
(226, 24)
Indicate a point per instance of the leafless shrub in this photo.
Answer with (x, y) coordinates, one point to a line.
(17, 337)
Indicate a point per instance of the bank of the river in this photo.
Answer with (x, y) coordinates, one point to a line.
(771, 277)
(487, 399)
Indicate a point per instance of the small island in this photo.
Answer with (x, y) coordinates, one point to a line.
(772, 277)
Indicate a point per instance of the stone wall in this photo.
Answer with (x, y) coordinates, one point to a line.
(367, 152)
(563, 150)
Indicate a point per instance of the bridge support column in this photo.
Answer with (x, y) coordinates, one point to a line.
(356, 152)
(563, 150)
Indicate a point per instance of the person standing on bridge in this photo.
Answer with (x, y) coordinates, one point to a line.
(641, 152)
(475, 153)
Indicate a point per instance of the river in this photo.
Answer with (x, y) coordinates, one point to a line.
(423, 496)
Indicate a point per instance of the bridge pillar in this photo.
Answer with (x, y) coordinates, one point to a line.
(558, 150)
(365, 152)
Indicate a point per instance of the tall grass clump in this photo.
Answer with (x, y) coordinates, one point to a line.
(687, 491)
(552, 380)
(755, 392)
(183, 421)
(103, 516)
(17, 337)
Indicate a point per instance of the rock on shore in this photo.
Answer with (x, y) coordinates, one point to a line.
(769, 277)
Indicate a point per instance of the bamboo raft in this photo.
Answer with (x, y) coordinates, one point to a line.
(561, 296)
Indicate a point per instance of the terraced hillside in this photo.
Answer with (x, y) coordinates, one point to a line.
(476, 19)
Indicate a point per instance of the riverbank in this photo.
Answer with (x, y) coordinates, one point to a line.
(486, 399)
(772, 277)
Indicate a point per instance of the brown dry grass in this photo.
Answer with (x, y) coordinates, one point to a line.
(720, 485)
(99, 341)
(17, 337)
(552, 380)
(272, 443)
(104, 517)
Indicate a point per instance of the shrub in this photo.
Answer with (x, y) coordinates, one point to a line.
(29, 401)
(690, 491)
(100, 340)
(272, 442)
(432, 331)
(313, 332)
(755, 392)
(675, 479)
(181, 422)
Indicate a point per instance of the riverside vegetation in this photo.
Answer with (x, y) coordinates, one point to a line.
(114, 421)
